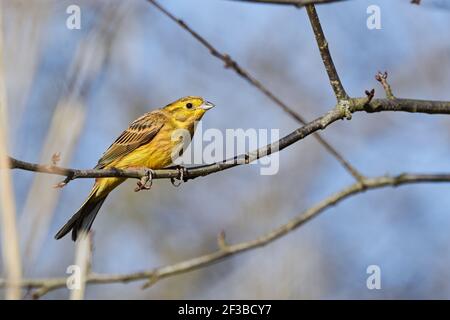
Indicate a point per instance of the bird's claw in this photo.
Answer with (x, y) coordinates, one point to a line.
(146, 181)
(176, 182)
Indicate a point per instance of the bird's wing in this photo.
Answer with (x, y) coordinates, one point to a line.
(140, 132)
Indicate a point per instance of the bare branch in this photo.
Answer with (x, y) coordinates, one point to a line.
(233, 65)
(322, 43)
(400, 105)
(298, 3)
(301, 3)
(338, 113)
(189, 173)
(370, 94)
(44, 286)
(382, 78)
(10, 248)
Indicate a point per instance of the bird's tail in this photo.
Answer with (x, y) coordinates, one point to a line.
(82, 220)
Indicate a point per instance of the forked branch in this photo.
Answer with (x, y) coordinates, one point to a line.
(43, 286)
(232, 64)
(335, 114)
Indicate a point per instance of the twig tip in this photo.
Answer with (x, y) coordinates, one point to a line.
(56, 157)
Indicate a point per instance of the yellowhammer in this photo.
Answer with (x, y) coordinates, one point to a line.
(148, 142)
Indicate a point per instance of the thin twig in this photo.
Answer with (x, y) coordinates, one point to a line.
(381, 77)
(298, 3)
(354, 105)
(44, 286)
(322, 43)
(233, 65)
(189, 173)
(370, 94)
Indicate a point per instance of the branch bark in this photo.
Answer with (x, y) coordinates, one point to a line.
(44, 286)
(322, 43)
(230, 63)
(382, 78)
(188, 173)
(339, 112)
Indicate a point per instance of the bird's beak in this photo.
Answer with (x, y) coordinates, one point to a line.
(207, 105)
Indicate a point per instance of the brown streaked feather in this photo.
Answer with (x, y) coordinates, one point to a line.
(140, 132)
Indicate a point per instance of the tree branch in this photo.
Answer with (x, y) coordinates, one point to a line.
(400, 105)
(298, 3)
(188, 173)
(337, 113)
(382, 78)
(322, 43)
(230, 63)
(44, 286)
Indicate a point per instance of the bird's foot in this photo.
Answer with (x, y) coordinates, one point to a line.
(176, 182)
(146, 182)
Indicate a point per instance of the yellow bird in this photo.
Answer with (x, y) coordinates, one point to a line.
(148, 142)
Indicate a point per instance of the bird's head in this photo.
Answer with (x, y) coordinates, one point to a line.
(188, 109)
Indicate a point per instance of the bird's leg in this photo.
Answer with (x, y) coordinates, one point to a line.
(145, 183)
(176, 182)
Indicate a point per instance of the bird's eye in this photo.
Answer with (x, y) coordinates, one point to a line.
(189, 105)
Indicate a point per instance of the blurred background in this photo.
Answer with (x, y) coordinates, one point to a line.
(74, 91)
